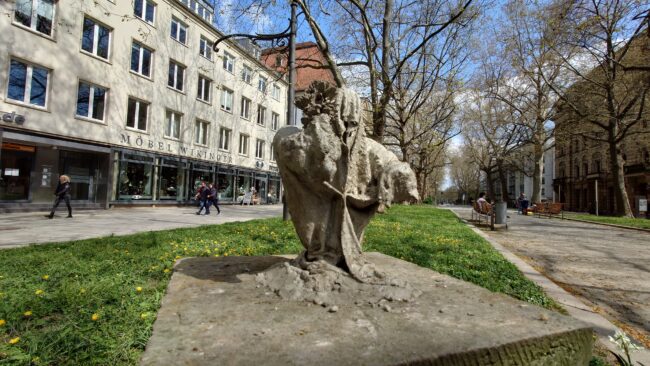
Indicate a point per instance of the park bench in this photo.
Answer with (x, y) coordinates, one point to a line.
(549, 209)
(487, 214)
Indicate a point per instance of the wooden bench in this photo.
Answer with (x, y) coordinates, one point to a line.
(487, 214)
(549, 209)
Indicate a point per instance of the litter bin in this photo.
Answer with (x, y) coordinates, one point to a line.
(501, 212)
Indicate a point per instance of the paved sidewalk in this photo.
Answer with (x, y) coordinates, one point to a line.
(607, 268)
(20, 229)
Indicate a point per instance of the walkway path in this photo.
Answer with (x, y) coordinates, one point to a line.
(607, 268)
(22, 229)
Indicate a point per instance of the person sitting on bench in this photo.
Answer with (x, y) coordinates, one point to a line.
(483, 205)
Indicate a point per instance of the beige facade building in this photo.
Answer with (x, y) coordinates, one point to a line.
(128, 98)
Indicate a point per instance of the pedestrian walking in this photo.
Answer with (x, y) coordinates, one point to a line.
(62, 193)
(205, 199)
(215, 198)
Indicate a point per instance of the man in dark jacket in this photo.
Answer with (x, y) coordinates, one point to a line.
(62, 193)
(205, 200)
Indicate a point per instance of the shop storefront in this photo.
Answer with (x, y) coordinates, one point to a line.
(149, 178)
(30, 167)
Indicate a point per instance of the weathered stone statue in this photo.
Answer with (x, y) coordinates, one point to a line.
(336, 179)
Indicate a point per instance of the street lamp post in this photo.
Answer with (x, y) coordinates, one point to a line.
(289, 35)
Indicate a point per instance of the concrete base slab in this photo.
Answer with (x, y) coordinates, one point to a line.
(215, 313)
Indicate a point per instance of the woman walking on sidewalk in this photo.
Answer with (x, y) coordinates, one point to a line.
(62, 193)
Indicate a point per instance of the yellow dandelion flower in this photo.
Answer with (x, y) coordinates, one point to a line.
(14, 340)
(38, 292)
(166, 270)
(46, 277)
(144, 316)
(2, 322)
(28, 313)
(138, 289)
(225, 254)
(94, 317)
(82, 291)
(36, 359)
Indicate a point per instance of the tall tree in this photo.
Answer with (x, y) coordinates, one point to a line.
(464, 172)
(609, 97)
(531, 37)
(491, 137)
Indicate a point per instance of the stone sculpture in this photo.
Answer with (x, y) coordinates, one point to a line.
(336, 179)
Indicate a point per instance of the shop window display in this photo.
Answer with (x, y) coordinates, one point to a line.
(225, 186)
(135, 180)
(244, 184)
(168, 186)
(274, 190)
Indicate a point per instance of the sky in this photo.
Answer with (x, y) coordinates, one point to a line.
(275, 18)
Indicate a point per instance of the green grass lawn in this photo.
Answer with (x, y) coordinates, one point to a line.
(93, 302)
(625, 221)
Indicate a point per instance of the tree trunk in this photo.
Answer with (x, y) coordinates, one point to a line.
(490, 184)
(617, 167)
(379, 116)
(537, 173)
(504, 183)
(421, 185)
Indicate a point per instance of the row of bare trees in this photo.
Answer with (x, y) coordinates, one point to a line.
(530, 60)
(580, 63)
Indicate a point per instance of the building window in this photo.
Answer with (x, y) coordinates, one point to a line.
(226, 100)
(243, 144)
(176, 73)
(27, 83)
(276, 92)
(543, 192)
(224, 139)
(179, 31)
(228, 62)
(261, 115)
(259, 149)
(172, 125)
(543, 180)
(96, 38)
(145, 10)
(203, 92)
(246, 74)
(136, 116)
(201, 132)
(141, 59)
(91, 100)
(272, 156)
(275, 121)
(245, 108)
(261, 85)
(35, 14)
(205, 48)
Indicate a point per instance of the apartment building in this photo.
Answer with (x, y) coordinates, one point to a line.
(128, 98)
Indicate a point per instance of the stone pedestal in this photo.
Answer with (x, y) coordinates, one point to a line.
(215, 313)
